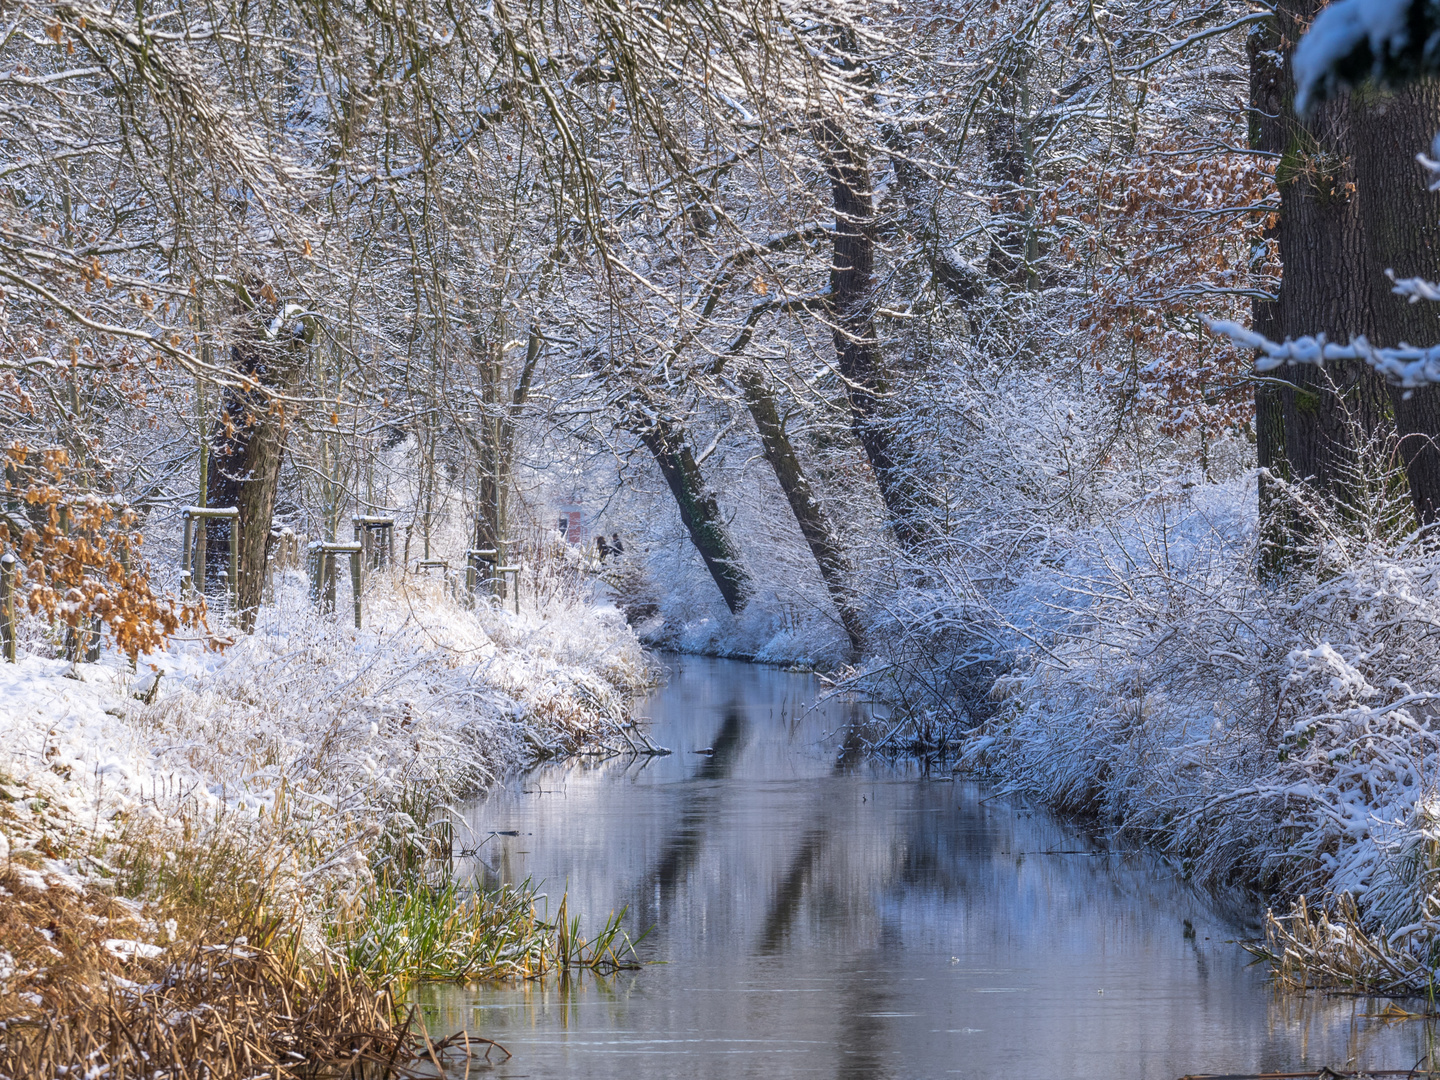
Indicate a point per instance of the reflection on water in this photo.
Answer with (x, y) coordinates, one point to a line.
(818, 915)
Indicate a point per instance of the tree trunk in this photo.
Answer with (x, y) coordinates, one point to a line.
(246, 453)
(495, 443)
(1332, 414)
(494, 456)
(809, 514)
(857, 347)
(699, 510)
(1353, 204)
(1267, 134)
(1401, 218)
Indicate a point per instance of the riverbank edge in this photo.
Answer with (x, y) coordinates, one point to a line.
(144, 820)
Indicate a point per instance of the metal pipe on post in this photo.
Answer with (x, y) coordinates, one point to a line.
(7, 605)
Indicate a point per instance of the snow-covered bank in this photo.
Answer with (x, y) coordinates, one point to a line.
(760, 634)
(320, 753)
(1277, 733)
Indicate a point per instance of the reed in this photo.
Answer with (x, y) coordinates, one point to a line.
(82, 996)
(1330, 949)
(415, 931)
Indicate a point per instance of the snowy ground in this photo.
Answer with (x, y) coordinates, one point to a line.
(317, 743)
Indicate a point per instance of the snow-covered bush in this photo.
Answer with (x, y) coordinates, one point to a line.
(326, 752)
(1272, 733)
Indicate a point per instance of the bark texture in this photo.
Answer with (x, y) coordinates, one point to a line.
(908, 500)
(1401, 221)
(1354, 203)
(247, 450)
(805, 504)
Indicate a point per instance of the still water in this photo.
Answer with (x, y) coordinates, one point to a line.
(816, 916)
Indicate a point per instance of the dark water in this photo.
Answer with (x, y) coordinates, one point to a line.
(818, 917)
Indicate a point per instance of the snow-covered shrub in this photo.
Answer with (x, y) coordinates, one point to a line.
(321, 750)
(1274, 733)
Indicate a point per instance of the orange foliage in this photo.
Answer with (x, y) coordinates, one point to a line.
(1172, 235)
(79, 558)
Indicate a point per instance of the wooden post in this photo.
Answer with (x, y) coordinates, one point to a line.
(314, 558)
(513, 572)
(356, 573)
(473, 558)
(193, 564)
(322, 579)
(187, 554)
(235, 563)
(200, 563)
(329, 558)
(376, 536)
(7, 605)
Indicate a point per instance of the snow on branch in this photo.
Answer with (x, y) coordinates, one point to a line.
(1405, 365)
(1393, 41)
(1415, 288)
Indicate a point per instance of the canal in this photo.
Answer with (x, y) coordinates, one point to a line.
(810, 914)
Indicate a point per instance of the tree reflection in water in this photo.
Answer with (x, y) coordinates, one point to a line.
(820, 914)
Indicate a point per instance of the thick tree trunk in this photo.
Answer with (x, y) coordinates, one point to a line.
(1353, 204)
(245, 458)
(1334, 414)
(699, 510)
(809, 513)
(1267, 134)
(1401, 218)
(908, 500)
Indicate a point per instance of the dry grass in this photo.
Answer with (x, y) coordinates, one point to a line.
(84, 990)
(1331, 950)
(239, 880)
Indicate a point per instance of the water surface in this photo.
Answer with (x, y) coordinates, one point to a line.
(812, 915)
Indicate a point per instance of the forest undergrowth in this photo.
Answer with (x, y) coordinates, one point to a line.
(1275, 732)
(246, 865)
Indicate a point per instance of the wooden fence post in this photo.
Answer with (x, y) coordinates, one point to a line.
(329, 574)
(356, 570)
(7, 605)
(187, 555)
(235, 563)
